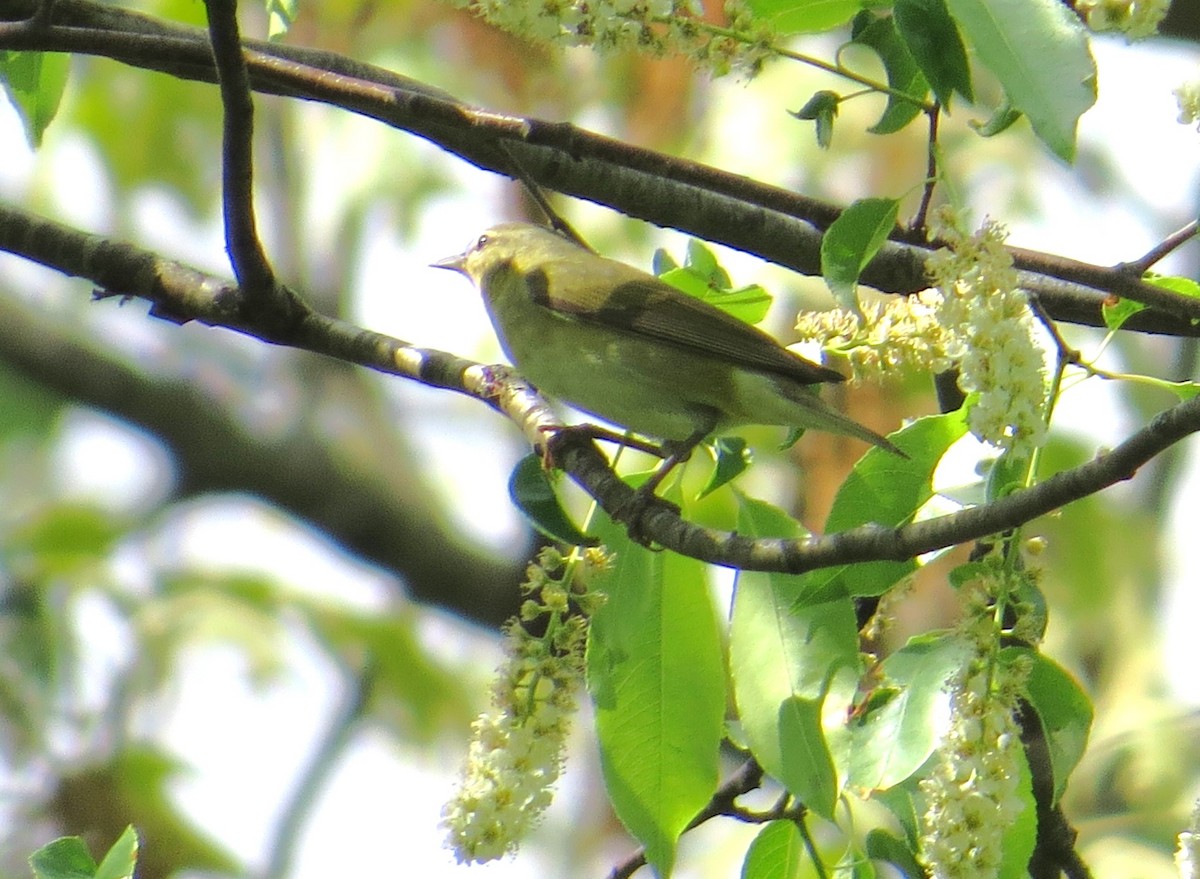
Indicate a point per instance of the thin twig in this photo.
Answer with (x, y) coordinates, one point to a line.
(1140, 266)
(921, 219)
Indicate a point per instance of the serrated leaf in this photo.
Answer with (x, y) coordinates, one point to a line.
(121, 859)
(64, 858)
(852, 241)
(732, 456)
(887, 490)
(803, 16)
(787, 639)
(657, 680)
(1038, 49)
(903, 75)
(777, 852)
(35, 82)
(534, 495)
(936, 47)
(1064, 708)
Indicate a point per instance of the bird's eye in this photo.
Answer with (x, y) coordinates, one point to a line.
(481, 243)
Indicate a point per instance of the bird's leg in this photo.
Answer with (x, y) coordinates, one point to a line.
(632, 511)
(596, 432)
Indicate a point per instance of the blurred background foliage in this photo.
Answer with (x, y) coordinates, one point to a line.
(165, 490)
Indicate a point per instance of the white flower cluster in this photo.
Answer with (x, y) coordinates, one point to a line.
(1188, 97)
(657, 27)
(971, 795)
(900, 336)
(990, 321)
(1187, 855)
(516, 752)
(978, 320)
(1137, 19)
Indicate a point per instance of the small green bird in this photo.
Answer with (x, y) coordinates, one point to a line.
(624, 346)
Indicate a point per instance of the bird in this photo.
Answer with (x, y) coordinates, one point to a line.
(619, 343)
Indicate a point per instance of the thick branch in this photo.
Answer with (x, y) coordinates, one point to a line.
(768, 221)
(187, 294)
(250, 265)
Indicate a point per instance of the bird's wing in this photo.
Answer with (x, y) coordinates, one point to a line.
(623, 298)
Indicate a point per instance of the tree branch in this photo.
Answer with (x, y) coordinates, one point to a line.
(761, 219)
(184, 294)
(249, 260)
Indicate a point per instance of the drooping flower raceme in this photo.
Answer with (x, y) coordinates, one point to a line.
(1188, 96)
(972, 794)
(516, 752)
(1137, 19)
(976, 319)
(993, 345)
(657, 27)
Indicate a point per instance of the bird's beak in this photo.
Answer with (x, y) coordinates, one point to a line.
(456, 263)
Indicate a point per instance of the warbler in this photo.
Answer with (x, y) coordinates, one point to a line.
(626, 347)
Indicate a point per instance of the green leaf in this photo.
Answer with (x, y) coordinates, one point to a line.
(27, 408)
(887, 490)
(1004, 117)
(280, 15)
(657, 679)
(1064, 708)
(65, 539)
(1117, 311)
(1038, 49)
(852, 241)
(64, 858)
(1182, 286)
(786, 642)
(412, 693)
(134, 787)
(663, 262)
(234, 608)
(822, 108)
(885, 746)
(936, 46)
(35, 82)
(879, 33)
(777, 852)
(702, 276)
(732, 456)
(533, 494)
(803, 16)
(121, 859)
(884, 846)
(1020, 837)
(702, 261)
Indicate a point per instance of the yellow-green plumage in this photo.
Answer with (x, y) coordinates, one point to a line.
(620, 344)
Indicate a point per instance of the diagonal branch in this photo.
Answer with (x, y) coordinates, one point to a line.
(187, 294)
(781, 226)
